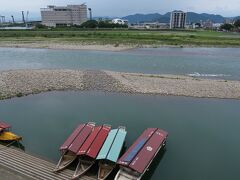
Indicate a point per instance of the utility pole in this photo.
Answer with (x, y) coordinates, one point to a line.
(13, 21)
(23, 18)
(27, 19)
(90, 13)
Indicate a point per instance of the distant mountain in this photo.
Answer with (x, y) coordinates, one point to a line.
(138, 18)
(156, 17)
(238, 17)
(195, 17)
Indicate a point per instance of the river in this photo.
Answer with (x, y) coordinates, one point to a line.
(203, 141)
(221, 63)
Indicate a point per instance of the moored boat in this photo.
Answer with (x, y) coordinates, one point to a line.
(88, 152)
(6, 135)
(135, 162)
(73, 143)
(110, 152)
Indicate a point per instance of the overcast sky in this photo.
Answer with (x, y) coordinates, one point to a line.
(121, 8)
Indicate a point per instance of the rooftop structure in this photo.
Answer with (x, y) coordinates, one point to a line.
(53, 16)
(178, 19)
(120, 21)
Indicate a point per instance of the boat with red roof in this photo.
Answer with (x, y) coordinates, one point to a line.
(74, 142)
(88, 152)
(5, 134)
(135, 162)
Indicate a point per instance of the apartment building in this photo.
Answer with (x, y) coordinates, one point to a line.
(53, 16)
(178, 19)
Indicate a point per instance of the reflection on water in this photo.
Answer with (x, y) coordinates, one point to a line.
(203, 133)
(155, 163)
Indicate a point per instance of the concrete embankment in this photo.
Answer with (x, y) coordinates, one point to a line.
(18, 83)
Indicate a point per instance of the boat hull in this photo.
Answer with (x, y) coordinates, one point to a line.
(127, 174)
(136, 161)
(66, 159)
(9, 136)
(105, 170)
(83, 166)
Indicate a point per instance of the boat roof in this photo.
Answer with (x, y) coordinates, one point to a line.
(113, 145)
(89, 141)
(81, 138)
(143, 151)
(98, 141)
(73, 136)
(4, 125)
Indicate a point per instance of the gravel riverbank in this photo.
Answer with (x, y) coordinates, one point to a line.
(66, 46)
(18, 83)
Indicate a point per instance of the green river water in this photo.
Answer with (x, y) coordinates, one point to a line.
(203, 141)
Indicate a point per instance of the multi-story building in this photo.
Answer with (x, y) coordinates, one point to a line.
(207, 24)
(53, 16)
(178, 19)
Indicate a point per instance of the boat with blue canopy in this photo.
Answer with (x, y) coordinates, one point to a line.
(137, 159)
(109, 154)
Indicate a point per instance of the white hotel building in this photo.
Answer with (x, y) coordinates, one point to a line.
(53, 16)
(178, 20)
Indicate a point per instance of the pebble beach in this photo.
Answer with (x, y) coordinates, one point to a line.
(17, 83)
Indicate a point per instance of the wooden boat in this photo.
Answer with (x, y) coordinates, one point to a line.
(135, 162)
(110, 152)
(88, 152)
(73, 143)
(6, 135)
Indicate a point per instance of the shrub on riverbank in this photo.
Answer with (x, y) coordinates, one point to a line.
(124, 36)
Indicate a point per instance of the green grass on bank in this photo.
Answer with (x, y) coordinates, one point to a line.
(130, 37)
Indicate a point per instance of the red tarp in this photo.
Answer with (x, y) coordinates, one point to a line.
(133, 150)
(147, 153)
(4, 125)
(98, 142)
(142, 152)
(89, 141)
(71, 138)
(81, 138)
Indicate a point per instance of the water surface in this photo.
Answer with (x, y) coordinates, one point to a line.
(203, 139)
(203, 62)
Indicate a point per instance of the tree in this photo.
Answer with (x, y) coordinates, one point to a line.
(90, 24)
(40, 26)
(198, 24)
(227, 27)
(237, 23)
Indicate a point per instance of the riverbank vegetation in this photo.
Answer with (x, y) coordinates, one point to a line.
(135, 38)
(231, 27)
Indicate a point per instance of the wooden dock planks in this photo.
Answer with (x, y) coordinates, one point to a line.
(31, 166)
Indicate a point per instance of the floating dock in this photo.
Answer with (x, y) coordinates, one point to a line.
(31, 166)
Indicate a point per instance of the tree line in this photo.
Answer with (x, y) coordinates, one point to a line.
(231, 27)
